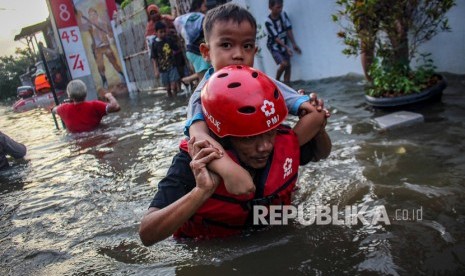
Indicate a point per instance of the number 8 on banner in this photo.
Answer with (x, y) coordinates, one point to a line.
(70, 36)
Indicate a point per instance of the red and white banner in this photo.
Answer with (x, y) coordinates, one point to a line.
(70, 36)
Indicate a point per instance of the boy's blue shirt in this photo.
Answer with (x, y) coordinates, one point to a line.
(194, 108)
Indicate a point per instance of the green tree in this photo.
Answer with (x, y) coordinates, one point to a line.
(11, 68)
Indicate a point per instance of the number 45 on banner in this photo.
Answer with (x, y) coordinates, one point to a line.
(75, 52)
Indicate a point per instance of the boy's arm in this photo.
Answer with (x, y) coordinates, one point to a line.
(293, 99)
(155, 69)
(236, 179)
(290, 34)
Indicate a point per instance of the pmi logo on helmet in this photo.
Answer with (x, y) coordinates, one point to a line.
(268, 109)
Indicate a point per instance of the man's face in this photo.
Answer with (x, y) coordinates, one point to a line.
(254, 151)
(230, 43)
(155, 16)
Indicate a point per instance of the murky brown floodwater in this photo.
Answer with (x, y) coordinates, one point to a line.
(74, 205)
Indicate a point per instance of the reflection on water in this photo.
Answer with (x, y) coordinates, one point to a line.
(74, 205)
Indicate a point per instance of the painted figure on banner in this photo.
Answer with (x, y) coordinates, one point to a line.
(98, 39)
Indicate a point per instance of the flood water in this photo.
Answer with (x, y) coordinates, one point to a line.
(73, 206)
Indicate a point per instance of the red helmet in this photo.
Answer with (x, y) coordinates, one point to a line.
(241, 101)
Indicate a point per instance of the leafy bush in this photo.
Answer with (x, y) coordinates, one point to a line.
(387, 34)
(389, 80)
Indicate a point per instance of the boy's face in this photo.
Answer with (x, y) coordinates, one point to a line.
(230, 43)
(203, 8)
(276, 9)
(161, 33)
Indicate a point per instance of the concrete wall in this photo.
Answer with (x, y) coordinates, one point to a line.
(321, 57)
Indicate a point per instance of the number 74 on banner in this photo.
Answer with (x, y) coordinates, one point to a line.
(75, 52)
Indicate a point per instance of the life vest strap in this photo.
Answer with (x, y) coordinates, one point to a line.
(222, 224)
(247, 205)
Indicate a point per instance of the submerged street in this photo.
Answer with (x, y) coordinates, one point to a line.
(74, 205)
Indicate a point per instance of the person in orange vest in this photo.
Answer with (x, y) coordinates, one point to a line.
(41, 82)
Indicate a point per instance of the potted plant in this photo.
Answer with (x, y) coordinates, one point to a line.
(387, 35)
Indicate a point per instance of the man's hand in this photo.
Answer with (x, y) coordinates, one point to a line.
(203, 153)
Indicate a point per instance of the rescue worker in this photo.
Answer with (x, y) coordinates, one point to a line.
(41, 83)
(192, 201)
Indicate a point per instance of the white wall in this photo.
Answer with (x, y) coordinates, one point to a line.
(315, 33)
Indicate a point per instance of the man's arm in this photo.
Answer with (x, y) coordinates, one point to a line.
(113, 105)
(309, 125)
(322, 145)
(11, 147)
(311, 129)
(158, 224)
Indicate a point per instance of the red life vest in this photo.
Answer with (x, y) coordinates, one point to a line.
(224, 214)
(41, 83)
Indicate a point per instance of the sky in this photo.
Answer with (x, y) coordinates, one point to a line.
(14, 15)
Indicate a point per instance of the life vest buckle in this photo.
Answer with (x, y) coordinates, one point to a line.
(263, 201)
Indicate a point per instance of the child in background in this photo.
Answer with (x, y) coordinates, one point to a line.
(279, 29)
(189, 26)
(230, 34)
(163, 51)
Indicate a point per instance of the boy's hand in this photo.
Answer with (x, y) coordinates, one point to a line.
(289, 51)
(236, 179)
(203, 153)
(317, 104)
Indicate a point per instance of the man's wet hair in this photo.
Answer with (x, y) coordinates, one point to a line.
(225, 13)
